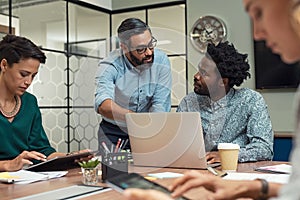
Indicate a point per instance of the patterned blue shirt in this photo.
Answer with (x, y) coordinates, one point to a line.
(140, 89)
(240, 117)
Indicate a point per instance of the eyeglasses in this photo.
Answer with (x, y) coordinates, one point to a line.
(143, 48)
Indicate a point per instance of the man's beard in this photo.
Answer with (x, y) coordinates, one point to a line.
(199, 89)
(136, 62)
(201, 92)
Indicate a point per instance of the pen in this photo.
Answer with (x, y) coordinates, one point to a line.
(216, 172)
(121, 146)
(7, 180)
(221, 174)
(210, 169)
(112, 148)
(117, 145)
(105, 147)
(125, 143)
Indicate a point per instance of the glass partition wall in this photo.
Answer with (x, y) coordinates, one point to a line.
(75, 36)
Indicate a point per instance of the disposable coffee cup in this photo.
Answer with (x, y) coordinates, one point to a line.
(229, 154)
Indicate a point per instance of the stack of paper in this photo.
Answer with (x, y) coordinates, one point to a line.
(275, 178)
(165, 175)
(25, 177)
(280, 169)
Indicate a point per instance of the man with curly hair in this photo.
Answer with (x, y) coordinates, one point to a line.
(229, 114)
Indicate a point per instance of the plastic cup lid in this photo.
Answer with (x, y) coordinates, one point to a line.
(228, 146)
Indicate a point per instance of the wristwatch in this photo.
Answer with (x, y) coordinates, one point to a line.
(264, 189)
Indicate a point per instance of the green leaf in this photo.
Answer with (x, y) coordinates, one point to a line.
(89, 164)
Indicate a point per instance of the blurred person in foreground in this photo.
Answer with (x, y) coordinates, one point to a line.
(276, 22)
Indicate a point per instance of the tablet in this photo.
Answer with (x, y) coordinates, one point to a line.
(60, 163)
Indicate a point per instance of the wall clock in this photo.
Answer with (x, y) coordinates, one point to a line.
(207, 29)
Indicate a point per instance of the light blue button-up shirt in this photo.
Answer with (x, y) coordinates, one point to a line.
(241, 117)
(140, 89)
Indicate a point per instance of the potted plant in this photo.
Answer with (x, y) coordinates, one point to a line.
(89, 171)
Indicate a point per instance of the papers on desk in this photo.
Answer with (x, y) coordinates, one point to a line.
(275, 178)
(280, 169)
(165, 175)
(275, 173)
(25, 177)
(5, 177)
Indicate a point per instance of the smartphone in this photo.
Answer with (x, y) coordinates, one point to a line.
(133, 180)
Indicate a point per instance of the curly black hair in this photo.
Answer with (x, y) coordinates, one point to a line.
(230, 63)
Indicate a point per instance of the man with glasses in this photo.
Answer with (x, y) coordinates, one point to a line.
(134, 78)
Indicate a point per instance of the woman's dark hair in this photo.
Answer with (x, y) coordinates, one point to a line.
(130, 27)
(230, 63)
(15, 48)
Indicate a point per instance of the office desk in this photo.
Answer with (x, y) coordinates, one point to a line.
(11, 191)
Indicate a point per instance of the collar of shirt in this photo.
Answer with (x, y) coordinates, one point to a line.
(221, 103)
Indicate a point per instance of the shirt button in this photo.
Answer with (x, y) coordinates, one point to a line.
(141, 90)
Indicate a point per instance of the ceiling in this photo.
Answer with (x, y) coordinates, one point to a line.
(21, 3)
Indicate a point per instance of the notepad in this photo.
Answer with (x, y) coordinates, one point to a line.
(26, 177)
(278, 169)
(166, 175)
(275, 178)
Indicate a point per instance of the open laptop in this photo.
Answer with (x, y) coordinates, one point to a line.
(167, 139)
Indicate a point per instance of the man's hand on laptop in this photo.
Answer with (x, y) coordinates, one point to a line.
(212, 157)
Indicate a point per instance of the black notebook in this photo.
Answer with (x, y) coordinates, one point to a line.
(59, 163)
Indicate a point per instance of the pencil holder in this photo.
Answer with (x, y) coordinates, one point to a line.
(114, 164)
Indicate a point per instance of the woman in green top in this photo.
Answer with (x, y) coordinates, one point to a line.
(23, 138)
